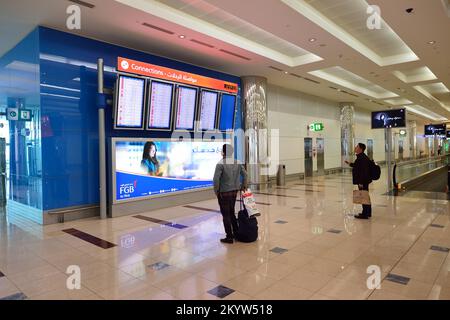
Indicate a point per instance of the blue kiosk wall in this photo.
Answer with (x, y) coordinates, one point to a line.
(66, 116)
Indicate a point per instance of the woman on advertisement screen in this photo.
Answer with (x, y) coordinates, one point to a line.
(149, 161)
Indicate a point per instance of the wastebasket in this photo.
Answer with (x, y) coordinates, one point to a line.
(281, 175)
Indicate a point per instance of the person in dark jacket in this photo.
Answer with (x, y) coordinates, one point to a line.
(361, 176)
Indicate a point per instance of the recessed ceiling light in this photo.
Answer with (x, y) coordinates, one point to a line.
(312, 39)
(286, 72)
(431, 42)
(181, 36)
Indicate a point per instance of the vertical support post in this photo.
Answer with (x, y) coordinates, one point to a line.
(101, 140)
(388, 134)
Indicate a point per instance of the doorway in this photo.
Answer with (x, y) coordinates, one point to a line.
(308, 157)
(4, 161)
(320, 145)
(400, 150)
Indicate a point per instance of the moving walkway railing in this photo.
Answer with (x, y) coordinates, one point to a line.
(423, 170)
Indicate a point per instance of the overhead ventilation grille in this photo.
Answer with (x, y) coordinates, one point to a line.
(83, 3)
(296, 75)
(202, 43)
(234, 54)
(311, 80)
(148, 25)
(275, 68)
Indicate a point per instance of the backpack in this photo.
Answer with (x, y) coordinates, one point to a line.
(247, 227)
(375, 170)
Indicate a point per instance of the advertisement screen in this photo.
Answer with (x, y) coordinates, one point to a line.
(389, 119)
(227, 106)
(435, 129)
(186, 101)
(208, 110)
(130, 103)
(160, 105)
(146, 168)
(448, 134)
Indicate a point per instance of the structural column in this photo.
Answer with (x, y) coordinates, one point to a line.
(347, 132)
(412, 132)
(254, 102)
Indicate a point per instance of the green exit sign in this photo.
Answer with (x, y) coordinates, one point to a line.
(316, 127)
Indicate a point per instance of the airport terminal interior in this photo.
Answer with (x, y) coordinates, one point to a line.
(118, 117)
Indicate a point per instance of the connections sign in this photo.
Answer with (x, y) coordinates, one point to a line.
(155, 71)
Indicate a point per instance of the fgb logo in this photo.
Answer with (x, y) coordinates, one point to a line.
(124, 64)
(128, 188)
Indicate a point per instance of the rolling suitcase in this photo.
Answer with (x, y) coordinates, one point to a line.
(247, 226)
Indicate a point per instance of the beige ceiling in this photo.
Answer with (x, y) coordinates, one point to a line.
(280, 39)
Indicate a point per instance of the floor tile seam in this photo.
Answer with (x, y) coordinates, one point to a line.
(406, 252)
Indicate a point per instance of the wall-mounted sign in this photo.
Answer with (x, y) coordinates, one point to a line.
(316, 127)
(12, 113)
(25, 115)
(17, 114)
(155, 71)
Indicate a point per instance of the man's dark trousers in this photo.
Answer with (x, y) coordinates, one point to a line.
(367, 208)
(227, 201)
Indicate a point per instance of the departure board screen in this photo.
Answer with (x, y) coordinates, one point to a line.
(130, 103)
(227, 107)
(160, 106)
(208, 110)
(186, 101)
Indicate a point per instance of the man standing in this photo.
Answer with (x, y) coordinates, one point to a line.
(362, 176)
(227, 183)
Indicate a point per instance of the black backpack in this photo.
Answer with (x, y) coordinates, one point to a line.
(247, 227)
(375, 170)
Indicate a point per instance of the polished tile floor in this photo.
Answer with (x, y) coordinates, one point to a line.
(309, 247)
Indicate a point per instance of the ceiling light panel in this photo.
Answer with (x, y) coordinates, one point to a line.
(437, 92)
(205, 18)
(415, 75)
(425, 113)
(347, 21)
(398, 101)
(344, 78)
(434, 88)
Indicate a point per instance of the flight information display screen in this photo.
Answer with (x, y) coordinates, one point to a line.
(227, 108)
(130, 103)
(186, 102)
(160, 106)
(208, 110)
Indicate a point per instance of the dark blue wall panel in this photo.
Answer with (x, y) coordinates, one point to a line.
(68, 106)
